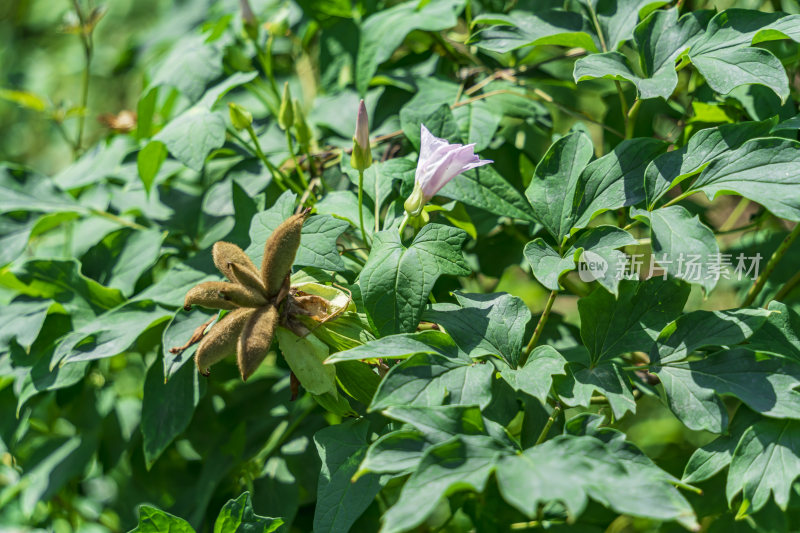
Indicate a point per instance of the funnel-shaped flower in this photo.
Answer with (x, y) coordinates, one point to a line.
(439, 162)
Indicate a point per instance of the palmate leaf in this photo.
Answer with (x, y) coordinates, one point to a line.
(766, 460)
(318, 237)
(600, 258)
(402, 346)
(536, 377)
(521, 28)
(766, 171)
(396, 280)
(547, 265)
(632, 321)
(502, 320)
(152, 520)
(779, 334)
(340, 501)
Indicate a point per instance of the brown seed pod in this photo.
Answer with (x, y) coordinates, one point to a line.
(221, 339)
(279, 252)
(225, 254)
(249, 278)
(311, 305)
(222, 295)
(255, 340)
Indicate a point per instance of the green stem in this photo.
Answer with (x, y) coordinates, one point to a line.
(277, 175)
(630, 118)
(537, 333)
(300, 173)
(679, 198)
(361, 207)
(115, 218)
(275, 443)
(549, 424)
(736, 213)
(403, 224)
(86, 39)
(771, 264)
(788, 287)
(267, 64)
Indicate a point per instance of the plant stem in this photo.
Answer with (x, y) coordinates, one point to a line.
(267, 64)
(86, 39)
(549, 424)
(277, 175)
(537, 333)
(630, 118)
(788, 287)
(117, 219)
(740, 208)
(771, 264)
(361, 207)
(679, 198)
(403, 224)
(300, 173)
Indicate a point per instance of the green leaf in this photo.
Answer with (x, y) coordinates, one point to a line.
(522, 28)
(152, 520)
(779, 334)
(599, 258)
(552, 191)
(383, 32)
(669, 169)
(705, 328)
(547, 264)
(398, 452)
(611, 327)
(189, 67)
(46, 375)
(618, 19)
(458, 464)
(502, 320)
(431, 379)
(172, 287)
(177, 333)
(766, 460)
(710, 459)
(341, 501)
(380, 177)
(14, 237)
(477, 123)
(570, 469)
(194, 134)
(141, 250)
(238, 516)
(699, 409)
(396, 280)
(536, 377)
(148, 162)
(402, 346)
(22, 319)
(583, 378)
(615, 180)
(344, 205)
(682, 245)
(317, 240)
(168, 407)
(725, 59)
(24, 190)
(95, 165)
(63, 282)
(441, 422)
(305, 356)
(110, 333)
(762, 170)
(766, 386)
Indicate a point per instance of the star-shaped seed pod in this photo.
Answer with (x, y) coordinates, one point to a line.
(253, 298)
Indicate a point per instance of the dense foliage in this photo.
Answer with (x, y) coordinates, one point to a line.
(587, 321)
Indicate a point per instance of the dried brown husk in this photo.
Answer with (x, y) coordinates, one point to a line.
(255, 340)
(279, 252)
(221, 340)
(223, 295)
(226, 254)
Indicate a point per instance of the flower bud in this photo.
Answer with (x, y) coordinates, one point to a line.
(301, 128)
(361, 158)
(286, 111)
(414, 203)
(241, 118)
(249, 20)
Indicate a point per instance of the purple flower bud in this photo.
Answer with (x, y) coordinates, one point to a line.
(439, 162)
(362, 127)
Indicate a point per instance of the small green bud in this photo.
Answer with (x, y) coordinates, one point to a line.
(241, 118)
(286, 111)
(301, 128)
(414, 204)
(361, 158)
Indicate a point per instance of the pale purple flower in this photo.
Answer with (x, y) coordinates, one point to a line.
(362, 127)
(439, 162)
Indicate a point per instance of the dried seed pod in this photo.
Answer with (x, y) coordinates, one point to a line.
(249, 278)
(221, 339)
(225, 254)
(255, 340)
(279, 252)
(311, 305)
(222, 295)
